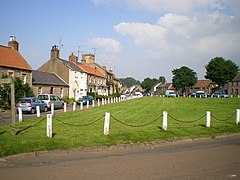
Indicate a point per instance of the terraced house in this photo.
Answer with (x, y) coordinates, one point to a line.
(13, 64)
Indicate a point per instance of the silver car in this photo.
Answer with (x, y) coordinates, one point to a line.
(30, 105)
(51, 99)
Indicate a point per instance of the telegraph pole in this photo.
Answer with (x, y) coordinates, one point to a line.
(13, 109)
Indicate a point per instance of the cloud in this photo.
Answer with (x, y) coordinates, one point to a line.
(110, 45)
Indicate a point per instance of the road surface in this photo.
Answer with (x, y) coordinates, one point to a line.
(204, 158)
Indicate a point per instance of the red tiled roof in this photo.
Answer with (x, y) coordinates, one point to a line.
(91, 70)
(203, 83)
(11, 58)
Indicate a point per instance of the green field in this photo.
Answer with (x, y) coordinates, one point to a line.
(137, 120)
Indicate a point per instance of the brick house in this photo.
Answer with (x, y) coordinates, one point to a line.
(69, 72)
(44, 83)
(13, 64)
(234, 86)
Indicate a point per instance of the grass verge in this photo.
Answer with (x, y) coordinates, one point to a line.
(137, 120)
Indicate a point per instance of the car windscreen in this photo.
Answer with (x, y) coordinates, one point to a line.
(25, 101)
(43, 97)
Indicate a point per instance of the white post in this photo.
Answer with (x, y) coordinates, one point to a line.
(93, 103)
(164, 123)
(111, 100)
(38, 111)
(20, 116)
(119, 99)
(208, 118)
(65, 107)
(52, 108)
(106, 123)
(74, 106)
(98, 102)
(87, 104)
(105, 101)
(108, 100)
(237, 116)
(81, 105)
(49, 125)
(102, 101)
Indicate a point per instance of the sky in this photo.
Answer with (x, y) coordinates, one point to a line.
(136, 38)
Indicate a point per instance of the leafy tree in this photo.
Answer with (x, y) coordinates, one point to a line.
(162, 79)
(184, 78)
(221, 71)
(148, 83)
(129, 81)
(21, 90)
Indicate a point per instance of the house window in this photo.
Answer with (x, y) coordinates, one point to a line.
(39, 90)
(61, 92)
(24, 78)
(10, 73)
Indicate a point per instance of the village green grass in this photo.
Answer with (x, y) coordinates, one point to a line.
(128, 124)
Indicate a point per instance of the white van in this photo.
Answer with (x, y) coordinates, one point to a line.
(51, 98)
(170, 93)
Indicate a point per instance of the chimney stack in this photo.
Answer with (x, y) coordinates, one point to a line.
(13, 43)
(54, 52)
(73, 58)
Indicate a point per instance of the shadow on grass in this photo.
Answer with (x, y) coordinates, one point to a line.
(3, 132)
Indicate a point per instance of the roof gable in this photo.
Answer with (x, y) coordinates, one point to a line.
(12, 58)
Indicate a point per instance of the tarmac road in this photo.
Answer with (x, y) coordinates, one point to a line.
(204, 158)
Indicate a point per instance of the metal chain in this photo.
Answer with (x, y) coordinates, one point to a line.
(131, 125)
(223, 119)
(186, 121)
(79, 125)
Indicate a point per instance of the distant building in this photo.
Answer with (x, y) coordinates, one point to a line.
(234, 86)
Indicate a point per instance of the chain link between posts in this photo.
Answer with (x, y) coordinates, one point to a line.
(131, 125)
(223, 119)
(182, 121)
(79, 125)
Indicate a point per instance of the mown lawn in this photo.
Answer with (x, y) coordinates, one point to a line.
(137, 120)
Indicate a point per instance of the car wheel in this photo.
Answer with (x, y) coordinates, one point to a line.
(62, 106)
(45, 109)
(33, 111)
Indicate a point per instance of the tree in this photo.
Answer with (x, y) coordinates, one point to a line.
(129, 81)
(148, 83)
(221, 71)
(184, 78)
(162, 79)
(21, 90)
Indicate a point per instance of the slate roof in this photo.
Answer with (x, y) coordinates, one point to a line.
(12, 58)
(237, 78)
(46, 78)
(72, 66)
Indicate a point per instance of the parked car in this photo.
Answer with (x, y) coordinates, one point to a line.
(30, 105)
(84, 100)
(51, 98)
(219, 95)
(170, 93)
(200, 94)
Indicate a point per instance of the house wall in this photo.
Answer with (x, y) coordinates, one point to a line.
(78, 84)
(17, 73)
(234, 88)
(47, 89)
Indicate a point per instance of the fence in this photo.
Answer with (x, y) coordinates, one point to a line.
(106, 129)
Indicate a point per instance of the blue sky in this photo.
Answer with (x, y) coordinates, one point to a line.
(137, 38)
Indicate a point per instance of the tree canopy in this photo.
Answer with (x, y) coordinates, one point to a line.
(129, 81)
(184, 78)
(221, 71)
(148, 83)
